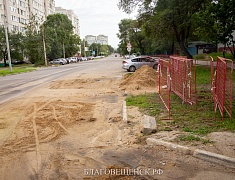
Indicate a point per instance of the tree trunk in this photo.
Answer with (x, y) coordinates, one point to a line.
(184, 50)
(232, 50)
(173, 48)
(181, 38)
(224, 50)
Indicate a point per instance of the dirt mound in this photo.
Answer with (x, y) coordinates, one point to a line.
(145, 77)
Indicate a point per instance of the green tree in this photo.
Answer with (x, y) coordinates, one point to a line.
(16, 43)
(174, 17)
(59, 36)
(33, 42)
(110, 49)
(130, 31)
(83, 52)
(3, 54)
(217, 23)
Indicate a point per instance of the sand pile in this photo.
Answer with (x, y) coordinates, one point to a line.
(145, 77)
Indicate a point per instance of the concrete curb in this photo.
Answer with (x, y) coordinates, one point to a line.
(124, 113)
(182, 149)
(215, 158)
(201, 154)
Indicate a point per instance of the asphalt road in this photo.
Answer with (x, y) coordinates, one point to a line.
(14, 85)
(72, 153)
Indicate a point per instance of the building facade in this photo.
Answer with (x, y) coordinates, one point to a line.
(90, 39)
(100, 39)
(73, 17)
(17, 13)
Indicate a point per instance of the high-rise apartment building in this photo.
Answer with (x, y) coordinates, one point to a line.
(100, 39)
(73, 17)
(17, 13)
(90, 39)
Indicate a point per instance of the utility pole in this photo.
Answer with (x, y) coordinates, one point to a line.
(63, 50)
(44, 46)
(7, 40)
(84, 48)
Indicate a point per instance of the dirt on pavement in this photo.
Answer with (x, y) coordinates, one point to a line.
(73, 129)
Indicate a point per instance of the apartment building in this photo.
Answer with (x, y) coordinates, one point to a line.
(90, 39)
(17, 13)
(73, 17)
(100, 39)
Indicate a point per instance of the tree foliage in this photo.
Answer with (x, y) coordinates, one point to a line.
(33, 42)
(15, 43)
(3, 53)
(131, 31)
(170, 20)
(217, 23)
(60, 39)
(100, 49)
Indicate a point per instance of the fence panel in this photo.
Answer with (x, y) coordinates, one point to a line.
(212, 78)
(164, 83)
(223, 87)
(183, 75)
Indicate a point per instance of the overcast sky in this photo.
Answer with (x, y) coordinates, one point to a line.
(97, 17)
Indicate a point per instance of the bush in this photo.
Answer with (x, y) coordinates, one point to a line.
(200, 56)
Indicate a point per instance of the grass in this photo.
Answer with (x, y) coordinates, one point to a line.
(15, 70)
(220, 54)
(197, 120)
(145, 102)
(200, 56)
(214, 55)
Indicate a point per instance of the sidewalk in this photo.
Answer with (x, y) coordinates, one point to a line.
(198, 153)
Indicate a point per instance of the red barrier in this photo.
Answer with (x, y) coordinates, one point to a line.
(222, 94)
(212, 78)
(164, 83)
(183, 75)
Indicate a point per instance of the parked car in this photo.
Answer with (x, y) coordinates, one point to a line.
(84, 58)
(60, 61)
(137, 62)
(79, 58)
(72, 59)
(90, 58)
(15, 61)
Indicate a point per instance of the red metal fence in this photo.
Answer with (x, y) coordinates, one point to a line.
(222, 87)
(164, 83)
(183, 76)
(212, 78)
(178, 75)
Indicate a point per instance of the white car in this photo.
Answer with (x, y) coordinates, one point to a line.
(84, 58)
(72, 59)
(60, 61)
(137, 62)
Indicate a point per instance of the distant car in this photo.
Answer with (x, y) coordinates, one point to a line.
(15, 61)
(90, 58)
(137, 62)
(60, 61)
(72, 59)
(84, 59)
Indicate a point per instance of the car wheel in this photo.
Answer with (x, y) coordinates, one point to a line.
(132, 69)
(155, 66)
(61, 63)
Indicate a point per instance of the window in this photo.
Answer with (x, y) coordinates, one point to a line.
(22, 4)
(135, 60)
(142, 59)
